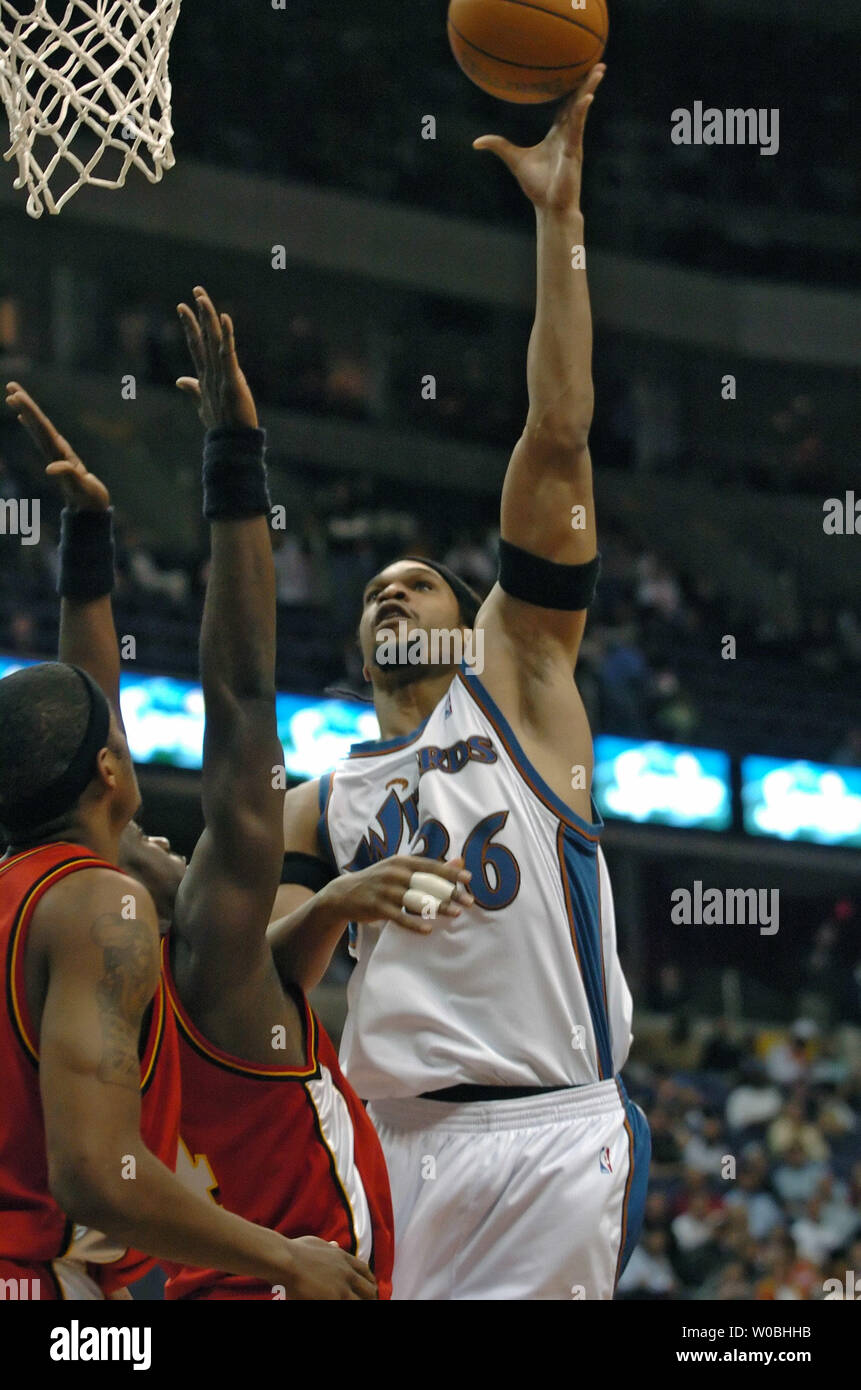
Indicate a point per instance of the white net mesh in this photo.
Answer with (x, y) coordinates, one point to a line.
(87, 93)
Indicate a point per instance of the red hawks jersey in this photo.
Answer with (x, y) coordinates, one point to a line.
(33, 1229)
(288, 1148)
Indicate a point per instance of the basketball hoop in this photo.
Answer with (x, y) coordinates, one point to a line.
(87, 93)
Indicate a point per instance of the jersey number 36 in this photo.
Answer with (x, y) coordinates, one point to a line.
(495, 872)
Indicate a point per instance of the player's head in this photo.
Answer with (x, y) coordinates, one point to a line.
(150, 859)
(64, 760)
(410, 600)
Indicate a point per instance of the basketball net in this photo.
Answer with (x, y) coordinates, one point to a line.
(87, 93)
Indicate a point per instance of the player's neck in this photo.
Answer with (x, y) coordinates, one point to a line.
(96, 836)
(400, 709)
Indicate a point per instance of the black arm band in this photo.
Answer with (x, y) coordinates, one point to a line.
(234, 474)
(86, 554)
(307, 870)
(544, 583)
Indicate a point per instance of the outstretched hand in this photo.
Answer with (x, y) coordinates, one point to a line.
(223, 395)
(550, 173)
(82, 490)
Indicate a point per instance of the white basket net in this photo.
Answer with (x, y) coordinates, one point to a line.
(87, 93)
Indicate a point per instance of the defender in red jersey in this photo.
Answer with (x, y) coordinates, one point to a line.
(85, 1008)
(305, 1157)
(269, 1127)
(38, 1241)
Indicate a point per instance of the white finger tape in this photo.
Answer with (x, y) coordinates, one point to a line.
(421, 904)
(439, 888)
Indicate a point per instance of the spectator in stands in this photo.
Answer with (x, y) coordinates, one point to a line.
(749, 1194)
(667, 1152)
(473, 561)
(649, 1273)
(695, 1234)
(786, 1275)
(657, 589)
(148, 575)
(674, 714)
(754, 1101)
(622, 682)
(788, 1060)
(705, 1150)
(797, 1176)
(731, 1284)
(294, 572)
(791, 1129)
(720, 1051)
(814, 1237)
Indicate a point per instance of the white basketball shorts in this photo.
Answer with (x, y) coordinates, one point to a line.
(534, 1198)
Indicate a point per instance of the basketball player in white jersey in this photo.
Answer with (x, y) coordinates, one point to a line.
(490, 1047)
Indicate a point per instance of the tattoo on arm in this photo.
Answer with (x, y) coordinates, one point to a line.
(123, 993)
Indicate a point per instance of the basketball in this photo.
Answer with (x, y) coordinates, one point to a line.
(527, 53)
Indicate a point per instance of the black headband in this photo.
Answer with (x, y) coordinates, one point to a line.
(467, 598)
(64, 791)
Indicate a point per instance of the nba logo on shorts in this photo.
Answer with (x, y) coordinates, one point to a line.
(604, 1160)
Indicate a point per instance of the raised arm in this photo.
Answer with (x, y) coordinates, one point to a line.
(87, 634)
(226, 896)
(547, 504)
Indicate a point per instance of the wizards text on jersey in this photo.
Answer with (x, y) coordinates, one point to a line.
(496, 873)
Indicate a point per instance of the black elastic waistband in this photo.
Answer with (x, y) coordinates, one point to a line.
(464, 1094)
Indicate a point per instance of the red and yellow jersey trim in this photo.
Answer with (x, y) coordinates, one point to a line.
(239, 1065)
(156, 1029)
(15, 987)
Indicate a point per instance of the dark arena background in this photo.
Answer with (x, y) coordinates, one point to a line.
(380, 276)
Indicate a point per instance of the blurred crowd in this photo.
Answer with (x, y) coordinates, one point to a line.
(654, 411)
(650, 663)
(755, 1189)
(700, 205)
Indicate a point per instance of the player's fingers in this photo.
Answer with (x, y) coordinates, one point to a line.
(576, 109)
(36, 423)
(421, 922)
(190, 385)
(412, 921)
(66, 468)
(210, 328)
(228, 340)
(391, 909)
(193, 338)
(363, 1291)
(452, 869)
(362, 1278)
(508, 153)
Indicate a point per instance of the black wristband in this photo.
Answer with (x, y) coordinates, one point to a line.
(234, 474)
(306, 870)
(544, 583)
(86, 554)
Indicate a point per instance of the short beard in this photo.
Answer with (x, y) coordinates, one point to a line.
(392, 677)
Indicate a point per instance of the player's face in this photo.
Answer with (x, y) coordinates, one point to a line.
(150, 859)
(404, 599)
(127, 793)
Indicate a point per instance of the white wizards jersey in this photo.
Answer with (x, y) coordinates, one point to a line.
(525, 987)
